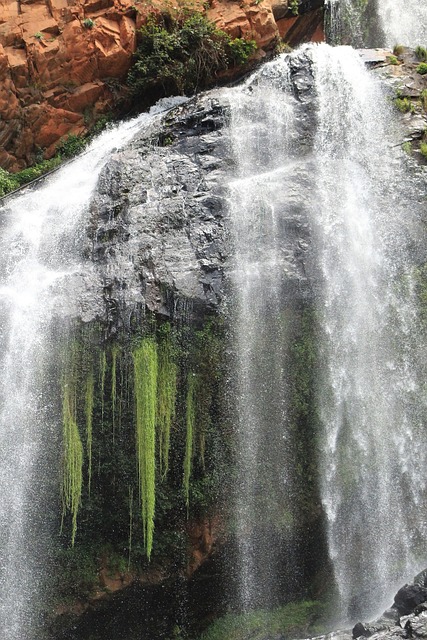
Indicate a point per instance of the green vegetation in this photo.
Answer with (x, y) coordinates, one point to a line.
(293, 618)
(421, 53)
(71, 146)
(183, 54)
(422, 68)
(294, 6)
(88, 23)
(189, 439)
(423, 149)
(407, 147)
(398, 49)
(89, 403)
(38, 36)
(72, 477)
(392, 60)
(145, 380)
(404, 105)
(119, 488)
(166, 399)
(423, 99)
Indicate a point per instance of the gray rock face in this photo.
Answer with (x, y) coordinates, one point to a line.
(158, 231)
(158, 216)
(407, 618)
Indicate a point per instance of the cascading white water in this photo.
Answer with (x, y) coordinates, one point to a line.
(403, 22)
(43, 277)
(261, 130)
(370, 397)
(351, 184)
(343, 22)
(396, 22)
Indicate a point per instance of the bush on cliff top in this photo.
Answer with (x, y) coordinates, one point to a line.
(183, 54)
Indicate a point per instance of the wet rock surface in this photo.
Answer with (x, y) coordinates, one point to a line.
(159, 234)
(407, 617)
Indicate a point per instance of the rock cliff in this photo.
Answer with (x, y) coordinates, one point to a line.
(63, 62)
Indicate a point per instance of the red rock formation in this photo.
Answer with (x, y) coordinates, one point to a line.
(61, 61)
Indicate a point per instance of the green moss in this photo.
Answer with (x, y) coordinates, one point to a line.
(145, 388)
(189, 438)
(72, 476)
(166, 399)
(422, 68)
(293, 618)
(89, 404)
(103, 374)
(115, 351)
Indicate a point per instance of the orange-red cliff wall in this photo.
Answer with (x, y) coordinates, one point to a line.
(57, 75)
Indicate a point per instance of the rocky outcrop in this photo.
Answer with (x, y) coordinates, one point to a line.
(62, 62)
(407, 618)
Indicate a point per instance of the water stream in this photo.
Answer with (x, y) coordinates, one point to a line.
(43, 277)
(348, 182)
(377, 23)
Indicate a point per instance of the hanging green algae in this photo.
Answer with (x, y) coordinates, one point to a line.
(145, 387)
(189, 440)
(72, 477)
(114, 355)
(166, 400)
(103, 373)
(89, 404)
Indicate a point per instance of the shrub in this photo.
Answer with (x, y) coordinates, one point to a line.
(88, 23)
(181, 55)
(407, 147)
(398, 49)
(422, 68)
(38, 35)
(421, 53)
(423, 149)
(294, 6)
(8, 182)
(392, 60)
(71, 146)
(404, 105)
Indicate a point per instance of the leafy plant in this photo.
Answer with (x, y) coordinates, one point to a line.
(422, 68)
(423, 149)
(71, 146)
(88, 23)
(421, 53)
(392, 60)
(8, 182)
(294, 6)
(407, 147)
(404, 105)
(38, 36)
(183, 54)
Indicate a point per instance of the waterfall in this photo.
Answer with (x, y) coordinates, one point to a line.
(403, 22)
(349, 183)
(377, 22)
(43, 277)
(262, 124)
(370, 398)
